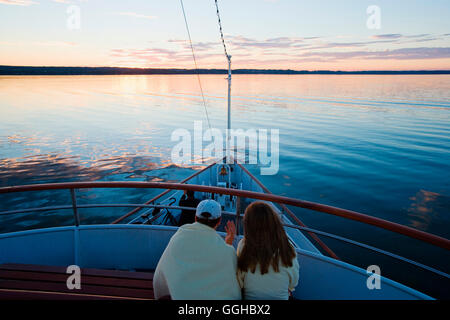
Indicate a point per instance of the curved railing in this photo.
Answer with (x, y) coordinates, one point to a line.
(371, 248)
(348, 214)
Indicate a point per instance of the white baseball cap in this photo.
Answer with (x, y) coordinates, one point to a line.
(209, 206)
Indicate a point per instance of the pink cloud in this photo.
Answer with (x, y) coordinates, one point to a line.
(18, 2)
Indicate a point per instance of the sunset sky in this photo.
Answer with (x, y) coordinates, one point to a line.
(266, 34)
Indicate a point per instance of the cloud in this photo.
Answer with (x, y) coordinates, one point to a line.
(271, 43)
(18, 2)
(286, 45)
(134, 14)
(293, 43)
(396, 54)
(68, 1)
(412, 53)
(31, 2)
(387, 36)
(424, 37)
(198, 46)
(39, 43)
(288, 50)
(418, 35)
(329, 45)
(148, 54)
(160, 56)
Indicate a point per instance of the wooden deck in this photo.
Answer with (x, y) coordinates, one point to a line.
(36, 282)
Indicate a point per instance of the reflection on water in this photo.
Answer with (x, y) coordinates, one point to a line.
(366, 143)
(374, 144)
(429, 208)
(57, 168)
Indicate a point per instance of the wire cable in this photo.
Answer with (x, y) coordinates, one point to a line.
(221, 32)
(195, 63)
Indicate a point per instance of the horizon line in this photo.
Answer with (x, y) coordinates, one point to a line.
(103, 70)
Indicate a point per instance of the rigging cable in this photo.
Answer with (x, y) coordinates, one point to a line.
(221, 32)
(195, 63)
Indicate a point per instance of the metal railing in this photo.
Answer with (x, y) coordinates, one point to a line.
(348, 214)
(237, 214)
(371, 248)
(417, 234)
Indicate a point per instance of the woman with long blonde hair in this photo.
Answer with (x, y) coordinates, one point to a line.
(267, 262)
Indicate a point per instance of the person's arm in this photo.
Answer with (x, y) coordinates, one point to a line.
(230, 228)
(160, 288)
(294, 274)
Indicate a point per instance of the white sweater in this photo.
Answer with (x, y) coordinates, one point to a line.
(197, 264)
(269, 286)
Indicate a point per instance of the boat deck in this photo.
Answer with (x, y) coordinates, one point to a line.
(26, 281)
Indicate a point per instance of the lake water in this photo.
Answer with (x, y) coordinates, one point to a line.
(375, 144)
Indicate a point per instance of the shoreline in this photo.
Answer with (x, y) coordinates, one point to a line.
(66, 71)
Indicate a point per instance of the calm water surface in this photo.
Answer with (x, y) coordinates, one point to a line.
(375, 144)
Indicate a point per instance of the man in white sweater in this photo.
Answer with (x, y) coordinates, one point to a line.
(197, 263)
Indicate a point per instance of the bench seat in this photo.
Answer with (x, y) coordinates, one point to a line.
(37, 282)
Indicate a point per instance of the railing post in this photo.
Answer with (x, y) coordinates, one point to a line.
(238, 213)
(74, 205)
